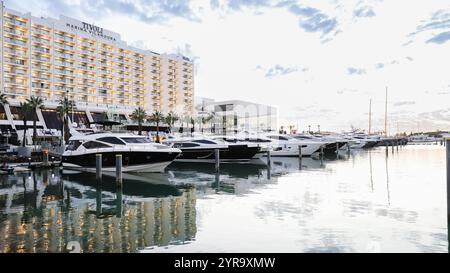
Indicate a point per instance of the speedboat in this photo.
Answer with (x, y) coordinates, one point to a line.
(139, 154)
(202, 149)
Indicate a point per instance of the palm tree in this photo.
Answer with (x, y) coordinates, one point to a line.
(139, 115)
(192, 120)
(25, 108)
(157, 117)
(65, 106)
(170, 119)
(35, 103)
(3, 99)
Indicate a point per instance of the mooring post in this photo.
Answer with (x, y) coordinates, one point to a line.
(119, 203)
(98, 166)
(300, 156)
(396, 144)
(98, 200)
(269, 159)
(119, 171)
(447, 143)
(348, 148)
(217, 159)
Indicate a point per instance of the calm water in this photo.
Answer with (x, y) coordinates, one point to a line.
(364, 202)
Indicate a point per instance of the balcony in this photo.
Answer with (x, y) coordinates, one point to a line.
(42, 50)
(15, 42)
(41, 41)
(40, 68)
(15, 52)
(65, 47)
(42, 59)
(15, 22)
(16, 72)
(15, 32)
(41, 31)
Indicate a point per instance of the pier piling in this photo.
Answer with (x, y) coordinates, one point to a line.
(321, 155)
(300, 156)
(217, 159)
(98, 166)
(269, 159)
(119, 171)
(447, 143)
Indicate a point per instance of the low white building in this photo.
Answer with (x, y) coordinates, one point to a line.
(234, 116)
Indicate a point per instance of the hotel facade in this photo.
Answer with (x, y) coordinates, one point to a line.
(54, 58)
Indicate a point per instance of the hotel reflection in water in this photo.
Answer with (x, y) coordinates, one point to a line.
(42, 213)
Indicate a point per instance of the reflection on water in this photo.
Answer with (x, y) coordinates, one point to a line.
(361, 201)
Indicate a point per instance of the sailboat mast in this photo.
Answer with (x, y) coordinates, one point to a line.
(370, 116)
(385, 114)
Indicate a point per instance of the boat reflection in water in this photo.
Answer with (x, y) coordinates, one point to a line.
(43, 211)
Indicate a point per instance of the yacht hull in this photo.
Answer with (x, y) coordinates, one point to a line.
(234, 153)
(139, 162)
(291, 150)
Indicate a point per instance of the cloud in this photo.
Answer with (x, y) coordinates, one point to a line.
(356, 71)
(437, 115)
(148, 11)
(440, 38)
(439, 21)
(365, 11)
(346, 90)
(278, 70)
(379, 65)
(313, 20)
(409, 58)
(402, 103)
(310, 19)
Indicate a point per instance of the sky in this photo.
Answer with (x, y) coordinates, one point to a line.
(318, 62)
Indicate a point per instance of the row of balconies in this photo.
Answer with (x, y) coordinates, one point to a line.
(15, 41)
(14, 21)
(16, 32)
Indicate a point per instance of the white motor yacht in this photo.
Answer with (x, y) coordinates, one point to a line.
(139, 154)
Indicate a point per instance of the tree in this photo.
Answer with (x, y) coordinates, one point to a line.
(35, 103)
(157, 117)
(206, 119)
(25, 108)
(192, 120)
(65, 106)
(170, 119)
(139, 115)
(3, 99)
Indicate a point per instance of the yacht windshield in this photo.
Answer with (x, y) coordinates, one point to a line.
(73, 145)
(136, 140)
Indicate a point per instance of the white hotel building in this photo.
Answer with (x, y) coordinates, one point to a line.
(53, 58)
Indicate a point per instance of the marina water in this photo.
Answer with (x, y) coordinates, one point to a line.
(367, 201)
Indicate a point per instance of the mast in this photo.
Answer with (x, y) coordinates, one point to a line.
(370, 116)
(385, 114)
